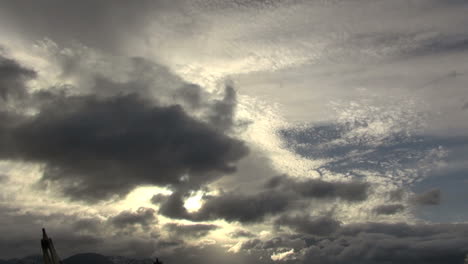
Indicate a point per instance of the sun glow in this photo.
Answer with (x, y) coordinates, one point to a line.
(194, 202)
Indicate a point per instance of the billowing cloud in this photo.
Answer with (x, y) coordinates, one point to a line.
(97, 147)
(122, 142)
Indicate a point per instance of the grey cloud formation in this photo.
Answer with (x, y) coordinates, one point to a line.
(122, 142)
(296, 242)
(190, 231)
(388, 209)
(393, 243)
(430, 197)
(223, 110)
(230, 207)
(244, 208)
(320, 226)
(210, 254)
(379, 86)
(159, 198)
(95, 24)
(12, 79)
(280, 194)
(143, 217)
(100, 147)
(118, 235)
(373, 243)
(313, 188)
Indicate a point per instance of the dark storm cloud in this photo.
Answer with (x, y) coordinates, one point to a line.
(388, 209)
(95, 148)
(320, 226)
(99, 146)
(193, 231)
(143, 217)
(431, 197)
(12, 79)
(279, 195)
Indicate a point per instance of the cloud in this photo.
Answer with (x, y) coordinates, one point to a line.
(159, 198)
(104, 18)
(384, 143)
(190, 231)
(230, 207)
(13, 78)
(101, 143)
(222, 115)
(393, 243)
(243, 208)
(371, 243)
(388, 209)
(282, 256)
(280, 194)
(430, 197)
(143, 217)
(241, 233)
(95, 148)
(320, 226)
(312, 188)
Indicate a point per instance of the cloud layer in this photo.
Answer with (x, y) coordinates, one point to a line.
(159, 128)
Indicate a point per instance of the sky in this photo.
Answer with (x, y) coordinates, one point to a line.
(246, 131)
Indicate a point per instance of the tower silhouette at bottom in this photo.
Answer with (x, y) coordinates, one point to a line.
(48, 250)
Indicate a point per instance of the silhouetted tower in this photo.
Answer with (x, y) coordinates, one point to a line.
(157, 261)
(48, 250)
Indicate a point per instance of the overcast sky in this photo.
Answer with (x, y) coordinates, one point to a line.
(246, 131)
